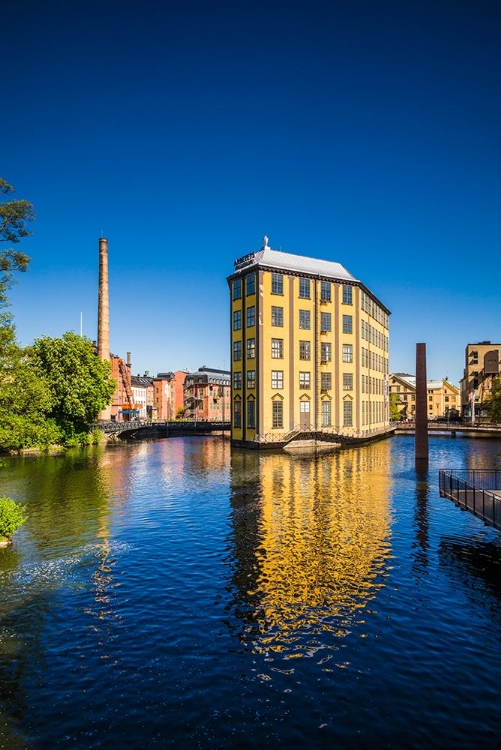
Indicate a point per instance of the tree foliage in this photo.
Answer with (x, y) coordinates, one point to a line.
(14, 218)
(24, 397)
(79, 383)
(395, 413)
(494, 403)
(12, 516)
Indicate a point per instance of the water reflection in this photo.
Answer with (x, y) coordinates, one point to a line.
(311, 541)
(421, 543)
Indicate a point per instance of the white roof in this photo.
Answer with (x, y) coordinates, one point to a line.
(301, 264)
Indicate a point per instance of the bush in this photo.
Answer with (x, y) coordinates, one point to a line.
(12, 516)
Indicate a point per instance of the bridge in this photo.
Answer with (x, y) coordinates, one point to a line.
(451, 428)
(161, 429)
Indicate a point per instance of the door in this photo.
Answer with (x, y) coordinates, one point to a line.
(305, 415)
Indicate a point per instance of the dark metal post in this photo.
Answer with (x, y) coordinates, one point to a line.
(421, 439)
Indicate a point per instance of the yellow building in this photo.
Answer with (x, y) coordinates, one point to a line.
(481, 368)
(309, 351)
(443, 398)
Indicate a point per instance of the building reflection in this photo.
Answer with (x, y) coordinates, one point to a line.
(311, 539)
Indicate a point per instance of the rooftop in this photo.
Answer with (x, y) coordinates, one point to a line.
(268, 258)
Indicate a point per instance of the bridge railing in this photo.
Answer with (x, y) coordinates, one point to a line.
(476, 490)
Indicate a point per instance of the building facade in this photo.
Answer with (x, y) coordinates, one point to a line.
(168, 396)
(207, 395)
(481, 369)
(310, 348)
(443, 398)
(142, 390)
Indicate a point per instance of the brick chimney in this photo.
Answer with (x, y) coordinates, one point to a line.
(103, 314)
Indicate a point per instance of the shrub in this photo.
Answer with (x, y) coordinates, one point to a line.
(12, 516)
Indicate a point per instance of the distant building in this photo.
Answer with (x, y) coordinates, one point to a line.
(481, 368)
(207, 395)
(168, 395)
(443, 397)
(123, 406)
(142, 389)
(310, 348)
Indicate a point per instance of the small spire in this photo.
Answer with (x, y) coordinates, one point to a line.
(265, 242)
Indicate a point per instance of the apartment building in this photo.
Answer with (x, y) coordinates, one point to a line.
(168, 395)
(310, 347)
(207, 395)
(443, 398)
(481, 368)
(142, 390)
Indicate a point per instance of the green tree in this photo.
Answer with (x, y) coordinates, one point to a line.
(14, 217)
(79, 383)
(12, 516)
(24, 397)
(394, 410)
(494, 403)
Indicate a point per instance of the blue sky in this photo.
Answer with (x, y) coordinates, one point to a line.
(360, 132)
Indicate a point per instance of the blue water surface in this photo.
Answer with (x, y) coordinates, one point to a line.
(182, 593)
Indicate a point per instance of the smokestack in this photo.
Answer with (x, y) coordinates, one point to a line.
(128, 359)
(103, 309)
(103, 314)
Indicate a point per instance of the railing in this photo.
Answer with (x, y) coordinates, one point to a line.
(438, 424)
(344, 433)
(476, 490)
(178, 425)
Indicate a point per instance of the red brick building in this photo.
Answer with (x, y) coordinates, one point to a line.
(207, 395)
(168, 394)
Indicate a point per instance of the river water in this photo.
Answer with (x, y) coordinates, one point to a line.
(181, 593)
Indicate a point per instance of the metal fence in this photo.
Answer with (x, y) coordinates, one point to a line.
(476, 490)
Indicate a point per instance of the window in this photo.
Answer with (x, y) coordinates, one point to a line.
(326, 413)
(251, 316)
(237, 380)
(251, 379)
(278, 414)
(447, 399)
(277, 283)
(304, 319)
(325, 352)
(277, 316)
(237, 413)
(304, 380)
(277, 348)
(347, 324)
(326, 381)
(237, 350)
(251, 348)
(304, 350)
(347, 353)
(325, 322)
(237, 289)
(304, 288)
(347, 294)
(325, 291)
(347, 414)
(430, 398)
(277, 379)
(348, 381)
(237, 320)
(251, 414)
(250, 283)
